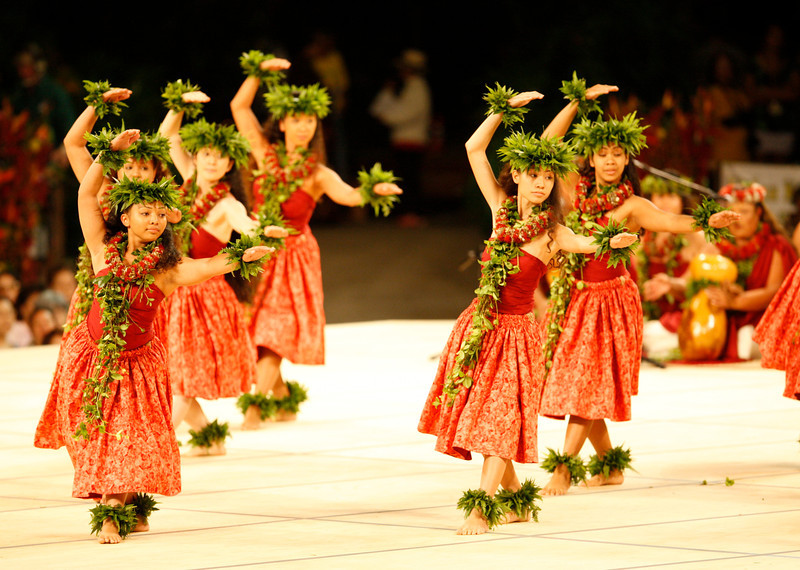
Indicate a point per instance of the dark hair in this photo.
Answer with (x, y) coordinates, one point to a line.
(317, 144)
(172, 252)
(554, 200)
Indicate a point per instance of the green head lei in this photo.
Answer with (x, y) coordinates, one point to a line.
(523, 151)
(225, 138)
(591, 136)
(129, 191)
(283, 100)
(150, 146)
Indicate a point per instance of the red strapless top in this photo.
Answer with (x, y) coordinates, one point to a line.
(204, 244)
(516, 298)
(297, 209)
(142, 313)
(597, 269)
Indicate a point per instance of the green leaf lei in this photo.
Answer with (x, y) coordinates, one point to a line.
(114, 294)
(494, 273)
(211, 433)
(94, 98)
(251, 65)
(575, 90)
(367, 181)
(479, 499)
(602, 238)
(173, 98)
(701, 215)
(615, 459)
(123, 516)
(522, 501)
(201, 134)
(497, 98)
(236, 250)
(283, 100)
(573, 463)
(100, 146)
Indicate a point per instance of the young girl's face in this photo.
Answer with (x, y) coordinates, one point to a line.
(669, 202)
(609, 164)
(535, 185)
(143, 170)
(747, 224)
(146, 221)
(211, 164)
(299, 129)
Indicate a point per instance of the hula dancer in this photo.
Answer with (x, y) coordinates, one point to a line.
(287, 318)
(593, 365)
(210, 352)
(110, 399)
(147, 159)
(485, 396)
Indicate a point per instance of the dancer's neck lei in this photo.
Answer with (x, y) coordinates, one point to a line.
(203, 204)
(503, 247)
(283, 173)
(744, 255)
(588, 208)
(115, 292)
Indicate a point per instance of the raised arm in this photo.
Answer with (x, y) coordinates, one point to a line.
(476, 147)
(80, 159)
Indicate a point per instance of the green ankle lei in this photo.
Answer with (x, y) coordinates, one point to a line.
(573, 463)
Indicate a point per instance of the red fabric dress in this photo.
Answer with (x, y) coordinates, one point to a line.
(497, 415)
(778, 332)
(145, 458)
(669, 313)
(757, 279)
(209, 349)
(595, 369)
(287, 311)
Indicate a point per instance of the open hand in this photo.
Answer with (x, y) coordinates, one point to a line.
(116, 94)
(275, 232)
(595, 91)
(623, 239)
(656, 287)
(195, 97)
(522, 99)
(386, 189)
(125, 139)
(723, 219)
(275, 64)
(257, 252)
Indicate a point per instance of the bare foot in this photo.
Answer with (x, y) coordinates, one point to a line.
(252, 418)
(142, 525)
(511, 517)
(285, 416)
(109, 534)
(615, 477)
(559, 483)
(474, 524)
(217, 448)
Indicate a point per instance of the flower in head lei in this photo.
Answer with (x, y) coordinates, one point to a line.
(510, 233)
(283, 100)
(226, 139)
(116, 289)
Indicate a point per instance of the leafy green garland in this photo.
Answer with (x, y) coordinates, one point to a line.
(479, 499)
(575, 90)
(573, 463)
(235, 251)
(114, 295)
(267, 405)
(381, 205)
(202, 134)
(250, 63)
(297, 395)
(615, 459)
(701, 215)
(100, 144)
(144, 504)
(173, 98)
(84, 277)
(211, 433)
(123, 516)
(284, 100)
(94, 98)
(522, 501)
(497, 98)
(494, 273)
(602, 239)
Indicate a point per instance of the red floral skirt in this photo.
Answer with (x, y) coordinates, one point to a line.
(209, 350)
(792, 389)
(497, 415)
(782, 317)
(144, 457)
(287, 313)
(595, 368)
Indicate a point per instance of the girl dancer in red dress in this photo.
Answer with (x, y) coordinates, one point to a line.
(287, 318)
(146, 160)
(110, 399)
(485, 396)
(594, 363)
(210, 352)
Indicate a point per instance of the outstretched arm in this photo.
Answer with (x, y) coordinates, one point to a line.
(476, 147)
(645, 214)
(343, 193)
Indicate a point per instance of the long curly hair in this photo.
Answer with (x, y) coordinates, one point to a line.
(172, 252)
